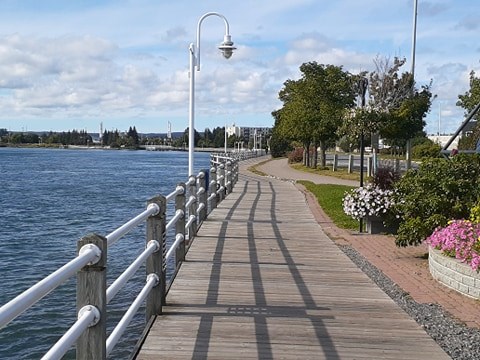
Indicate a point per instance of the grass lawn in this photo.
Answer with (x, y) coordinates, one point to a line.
(330, 197)
(340, 173)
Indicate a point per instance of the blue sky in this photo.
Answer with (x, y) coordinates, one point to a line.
(73, 64)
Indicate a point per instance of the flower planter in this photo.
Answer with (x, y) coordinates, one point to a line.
(374, 225)
(454, 274)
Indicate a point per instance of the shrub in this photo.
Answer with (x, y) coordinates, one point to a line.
(385, 177)
(426, 150)
(440, 190)
(296, 156)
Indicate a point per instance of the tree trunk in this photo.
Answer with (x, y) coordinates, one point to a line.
(323, 156)
(315, 155)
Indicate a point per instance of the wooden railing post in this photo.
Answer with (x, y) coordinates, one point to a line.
(92, 290)
(228, 176)
(202, 198)
(192, 209)
(221, 180)
(369, 166)
(335, 162)
(212, 188)
(180, 226)
(350, 163)
(235, 172)
(156, 263)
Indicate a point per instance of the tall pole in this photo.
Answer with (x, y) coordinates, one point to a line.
(414, 37)
(412, 71)
(227, 49)
(362, 85)
(191, 112)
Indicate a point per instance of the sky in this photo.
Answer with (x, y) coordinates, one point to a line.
(68, 65)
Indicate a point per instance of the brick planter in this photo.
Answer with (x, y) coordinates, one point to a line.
(454, 274)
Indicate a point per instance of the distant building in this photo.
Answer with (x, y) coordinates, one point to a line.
(233, 130)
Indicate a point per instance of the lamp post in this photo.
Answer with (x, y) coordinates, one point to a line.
(226, 47)
(362, 86)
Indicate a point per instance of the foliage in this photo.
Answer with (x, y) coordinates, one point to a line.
(475, 213)
(314, 106)
(459, 239)
(366, 201)
(329, 198)
(385, 177)
(438, 191)
(403, 107)
(295, 156)
(426, 150)
(471, 98)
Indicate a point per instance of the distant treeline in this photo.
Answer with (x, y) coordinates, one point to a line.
(129, 139)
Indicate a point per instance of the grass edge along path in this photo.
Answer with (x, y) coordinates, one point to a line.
(329, 197)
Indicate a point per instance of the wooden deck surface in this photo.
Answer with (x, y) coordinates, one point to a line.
(262, 281)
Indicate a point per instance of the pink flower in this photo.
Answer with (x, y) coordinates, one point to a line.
(460, 238)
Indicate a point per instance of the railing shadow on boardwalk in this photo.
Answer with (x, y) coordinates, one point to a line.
(261, 311)
(262, 281)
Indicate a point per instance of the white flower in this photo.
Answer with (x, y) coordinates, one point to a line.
(367, 201)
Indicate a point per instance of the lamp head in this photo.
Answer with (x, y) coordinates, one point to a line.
(227, 47)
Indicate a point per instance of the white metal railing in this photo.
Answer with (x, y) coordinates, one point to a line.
(203, 192)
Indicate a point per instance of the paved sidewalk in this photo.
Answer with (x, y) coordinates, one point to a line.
(407, 267)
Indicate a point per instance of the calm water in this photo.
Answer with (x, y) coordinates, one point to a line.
(50, 198)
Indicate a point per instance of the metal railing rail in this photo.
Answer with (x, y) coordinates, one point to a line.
(204, 192)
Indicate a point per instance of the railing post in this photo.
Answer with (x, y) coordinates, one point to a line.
(369, 165)
(156, 263)
(350, 163)
(192, 209)
(180, 225)
(212, 188)
(92, 290)
(202, 198)
(228, 182)
(335, 162)
(221, 179)
(235, 172)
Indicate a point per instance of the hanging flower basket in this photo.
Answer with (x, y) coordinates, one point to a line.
(371, 204)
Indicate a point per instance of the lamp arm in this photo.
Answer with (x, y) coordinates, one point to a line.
(197, 49)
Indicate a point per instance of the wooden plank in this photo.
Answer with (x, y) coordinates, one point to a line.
(262, 280)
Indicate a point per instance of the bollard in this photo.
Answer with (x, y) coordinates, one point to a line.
(202, 198)
(92, 290)
(156, 263)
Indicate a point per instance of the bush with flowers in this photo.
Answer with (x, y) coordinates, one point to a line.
(459, 239)
(367, 201)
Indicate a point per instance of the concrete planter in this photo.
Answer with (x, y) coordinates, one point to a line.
(454, 274)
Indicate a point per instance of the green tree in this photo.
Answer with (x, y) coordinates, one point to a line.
(471, 98)
(314, 107)
(401, 108)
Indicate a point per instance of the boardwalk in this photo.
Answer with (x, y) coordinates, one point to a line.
(263, 281)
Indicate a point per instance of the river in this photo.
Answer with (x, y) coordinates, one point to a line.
(50, 198)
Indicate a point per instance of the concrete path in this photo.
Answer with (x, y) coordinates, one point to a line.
(280, 169)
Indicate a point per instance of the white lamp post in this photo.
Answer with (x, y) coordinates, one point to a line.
(227, 49)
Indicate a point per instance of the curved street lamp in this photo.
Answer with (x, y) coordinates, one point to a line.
(226, 47)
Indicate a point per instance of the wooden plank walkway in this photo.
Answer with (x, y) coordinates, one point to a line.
(263, 281)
